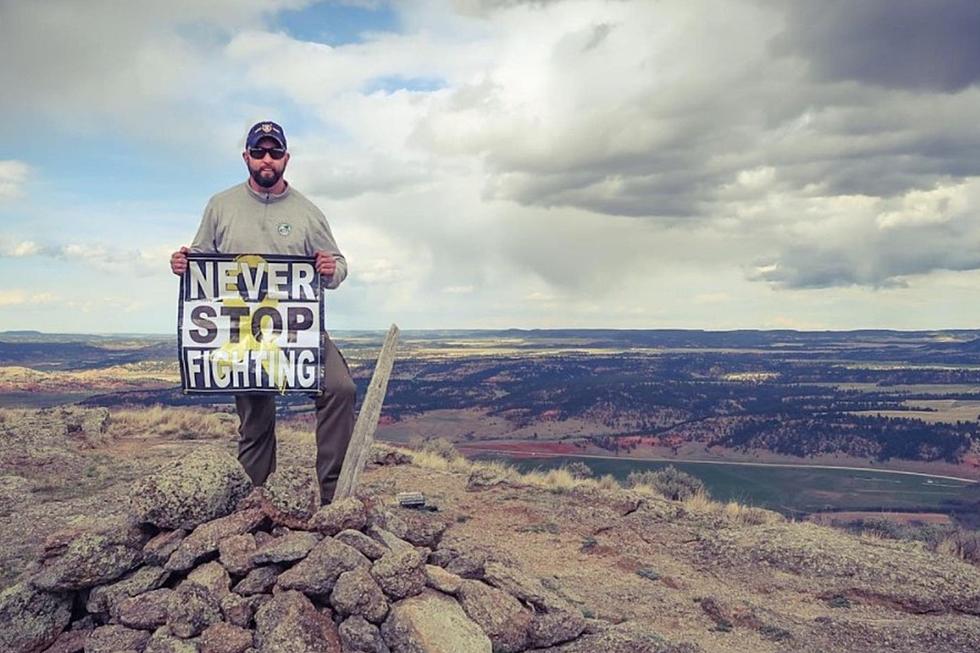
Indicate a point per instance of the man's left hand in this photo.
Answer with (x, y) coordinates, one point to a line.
(325, 264)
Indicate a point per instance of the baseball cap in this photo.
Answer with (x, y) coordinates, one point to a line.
(265, 129)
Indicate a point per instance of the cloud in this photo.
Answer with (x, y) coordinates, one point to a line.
(18, 248)
(140, 68)
(13, 175)
(880, 242)
(18, 297)
(921, 45)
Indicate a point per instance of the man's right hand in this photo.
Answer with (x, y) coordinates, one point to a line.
(178, 261)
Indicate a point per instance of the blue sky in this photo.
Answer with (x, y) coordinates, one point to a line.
(497, 163)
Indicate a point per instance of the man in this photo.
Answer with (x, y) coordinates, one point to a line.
(265, 215)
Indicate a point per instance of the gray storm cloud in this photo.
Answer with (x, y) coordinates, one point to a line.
(922, 45)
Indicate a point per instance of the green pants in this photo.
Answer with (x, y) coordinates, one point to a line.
(334, 425)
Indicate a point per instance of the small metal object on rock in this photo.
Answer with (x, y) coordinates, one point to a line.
(411, 499)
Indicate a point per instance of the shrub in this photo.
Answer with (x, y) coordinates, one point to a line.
(437, 446)
(579, 470)
(669, 482)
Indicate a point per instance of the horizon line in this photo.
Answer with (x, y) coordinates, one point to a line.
(531, 330)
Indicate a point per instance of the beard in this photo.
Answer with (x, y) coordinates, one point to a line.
(265, 180)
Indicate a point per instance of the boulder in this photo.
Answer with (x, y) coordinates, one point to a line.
(213, 577)
(440, 579)
(145, 611)
(162, 545)
(340, 515)
(204, 540)
(627, 637)
(31, 619)
(239, 610)
(550, 628)
(388, 539)
(201, 486)
(431, 622)
(356, 593)
(523, 586)
(287, 548)
(115, 638)
(235, 553)
(225, 638)
(103, 598)
(258, 581)
(358, 634)
(500, 615)
(70, 641)
(290, 622)
(400, 573)
(293, 494)
(192, 608)
(163, 641)
(75, 560)
(372, 549)
(418, 527)
(318, 571)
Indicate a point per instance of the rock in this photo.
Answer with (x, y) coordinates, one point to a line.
(389, 539)
(522, 586)
(199, 487)
(294, 494)
(192, 609)
(203, 541)
(235, 553)
(627, 637)
(70, 641)
(418, 527)
(464, 562)
(482, 478)
(225, 638)
(164, 642)
(258, 581)
(357, 634)
(550, 628)
(400, 573)
(213, 577)
(442, 580)
(31, 619)
(291, 546)
(340, 515)
(372, 549)
(383, 455)
(500, 615)
(114, 638)
(289, 622)
(239, 610)
(318, 571)
(433, 623)
(145, 611)
(356, 593)
(161, 546)
(75, 560)
(103, 598)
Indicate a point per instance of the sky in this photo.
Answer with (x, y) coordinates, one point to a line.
(711, 164)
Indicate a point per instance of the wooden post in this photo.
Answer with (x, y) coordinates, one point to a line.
(367, 419)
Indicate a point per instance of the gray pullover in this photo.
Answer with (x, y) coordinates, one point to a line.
(242, 221)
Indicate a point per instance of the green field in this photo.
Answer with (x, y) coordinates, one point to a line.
(789, 490)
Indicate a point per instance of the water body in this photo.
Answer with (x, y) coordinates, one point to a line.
(789, 490)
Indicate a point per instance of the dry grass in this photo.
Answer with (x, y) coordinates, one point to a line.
(183, 424)
(732, 511)
(563, 479)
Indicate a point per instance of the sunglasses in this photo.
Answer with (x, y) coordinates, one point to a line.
(259, 153)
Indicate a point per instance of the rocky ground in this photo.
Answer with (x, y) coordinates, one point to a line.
(502, 564)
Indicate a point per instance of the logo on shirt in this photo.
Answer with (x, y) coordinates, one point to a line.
(284, 228)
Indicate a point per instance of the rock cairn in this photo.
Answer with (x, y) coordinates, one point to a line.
(209, 564)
